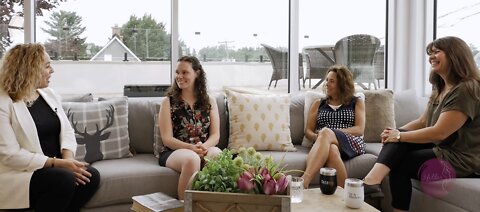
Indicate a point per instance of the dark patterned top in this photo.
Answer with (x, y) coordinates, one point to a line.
(189, 126)
(343, 117)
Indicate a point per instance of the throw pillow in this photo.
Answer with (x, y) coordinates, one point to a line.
(406, 107)
(261, 121)
(379, 114)
(311, 97)
(101, 128)
(79, 98)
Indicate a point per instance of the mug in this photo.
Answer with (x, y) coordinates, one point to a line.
(328, 180)
(353, 194)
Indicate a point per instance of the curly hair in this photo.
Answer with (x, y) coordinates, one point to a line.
(21, 70)
(462, 66)
(344, 82)
(200, 86)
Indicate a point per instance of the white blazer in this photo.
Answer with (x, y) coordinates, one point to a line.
(20, 150)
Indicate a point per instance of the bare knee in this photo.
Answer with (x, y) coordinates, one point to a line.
(326, 135)
(184, 160)
(191, 164)
(212, 152)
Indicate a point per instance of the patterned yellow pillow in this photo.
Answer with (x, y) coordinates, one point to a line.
(261, 121)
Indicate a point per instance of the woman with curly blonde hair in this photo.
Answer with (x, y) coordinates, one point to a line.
(37, 165)
(335, 125)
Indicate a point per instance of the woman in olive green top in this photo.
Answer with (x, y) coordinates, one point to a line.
(444, 141)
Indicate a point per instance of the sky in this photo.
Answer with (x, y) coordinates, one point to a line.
(236, 21)
(228, 20)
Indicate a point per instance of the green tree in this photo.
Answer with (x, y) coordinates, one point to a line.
(66, 29)
(10, 8)
(147, 38)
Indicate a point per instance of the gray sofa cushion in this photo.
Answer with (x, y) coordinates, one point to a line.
(297, 103)
(141, 122)
(461, 192)
(379, 113)
(123, 178)
(406, 107)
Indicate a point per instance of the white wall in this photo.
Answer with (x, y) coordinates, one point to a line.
(109, 78)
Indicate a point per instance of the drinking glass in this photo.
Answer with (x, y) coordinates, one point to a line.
(296, 189)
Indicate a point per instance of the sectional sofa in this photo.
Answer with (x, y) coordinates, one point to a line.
(140, 174)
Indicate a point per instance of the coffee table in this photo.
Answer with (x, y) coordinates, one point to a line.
(314, 200)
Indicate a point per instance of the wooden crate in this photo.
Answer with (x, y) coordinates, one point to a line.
(204, 201)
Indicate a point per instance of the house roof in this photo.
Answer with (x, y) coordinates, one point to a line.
(111, 42)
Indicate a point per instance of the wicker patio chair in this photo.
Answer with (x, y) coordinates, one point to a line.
(279, 61)
(318, 62)
(357, 53)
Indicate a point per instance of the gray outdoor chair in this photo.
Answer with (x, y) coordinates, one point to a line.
(318, 62)
(279, 61)
(357, 53)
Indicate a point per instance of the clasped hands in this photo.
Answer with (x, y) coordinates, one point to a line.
(78, 168)
(390, 135)
(199, 149)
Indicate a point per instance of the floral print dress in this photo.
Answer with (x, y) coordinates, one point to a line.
(189, 125)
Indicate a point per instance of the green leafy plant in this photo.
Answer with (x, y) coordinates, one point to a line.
(220, 174)
(249, 172)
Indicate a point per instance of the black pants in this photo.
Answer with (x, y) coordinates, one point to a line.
(404, 161)
(54, 189)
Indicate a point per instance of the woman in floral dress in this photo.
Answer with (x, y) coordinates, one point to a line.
(189, 122)
(335, 125)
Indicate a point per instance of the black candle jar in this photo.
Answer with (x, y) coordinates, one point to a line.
(328, 180)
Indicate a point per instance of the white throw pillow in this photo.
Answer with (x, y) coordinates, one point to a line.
(310, 97)
(261, 121)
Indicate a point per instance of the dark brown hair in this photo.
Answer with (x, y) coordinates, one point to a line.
(344, 82)
(200, 86)
(462, 66)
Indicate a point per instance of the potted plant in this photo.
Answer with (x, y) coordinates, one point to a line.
(249, 181)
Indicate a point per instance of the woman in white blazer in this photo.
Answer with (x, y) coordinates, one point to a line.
(37, 143)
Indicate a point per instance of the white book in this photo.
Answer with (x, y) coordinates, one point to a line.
(155, 202)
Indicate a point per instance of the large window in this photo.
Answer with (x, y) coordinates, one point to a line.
(460, 18)
(324, 23)
(103, 46)
(227, 36)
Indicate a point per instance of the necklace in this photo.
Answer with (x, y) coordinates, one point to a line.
(29, 101)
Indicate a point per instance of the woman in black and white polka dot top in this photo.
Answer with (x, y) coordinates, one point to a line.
(335, 125)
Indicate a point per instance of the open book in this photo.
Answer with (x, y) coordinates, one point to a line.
(155, 202)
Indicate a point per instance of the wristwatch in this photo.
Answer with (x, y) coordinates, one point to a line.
(398, 137)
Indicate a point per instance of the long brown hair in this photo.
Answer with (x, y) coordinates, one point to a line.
(200, 86)
(462, 66)
(21, 71)
(344, 82)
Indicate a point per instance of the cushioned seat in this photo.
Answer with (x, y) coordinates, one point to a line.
(123, 178)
